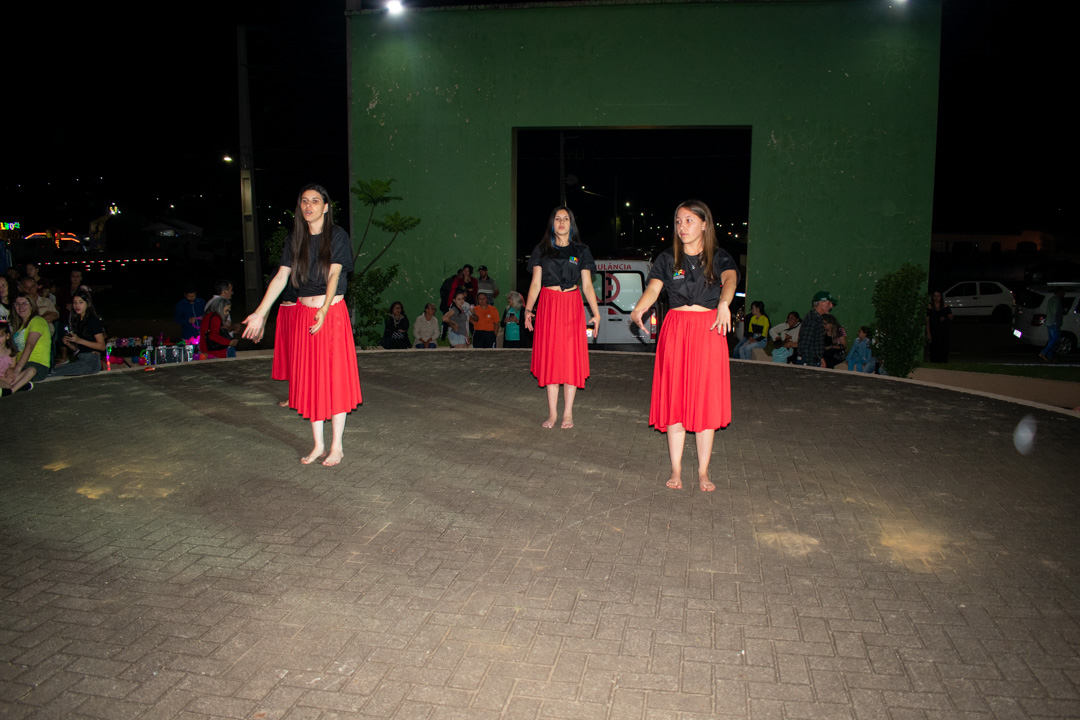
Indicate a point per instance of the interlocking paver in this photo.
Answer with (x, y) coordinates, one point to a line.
(873, 550)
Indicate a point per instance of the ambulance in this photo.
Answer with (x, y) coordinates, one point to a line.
(619, 284)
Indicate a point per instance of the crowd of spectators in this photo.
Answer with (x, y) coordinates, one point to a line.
(468, 313)
(816, 338)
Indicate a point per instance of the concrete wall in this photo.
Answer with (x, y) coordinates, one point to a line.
(841, 98)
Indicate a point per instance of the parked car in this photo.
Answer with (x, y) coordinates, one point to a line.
(981, 298)
(1030, 323)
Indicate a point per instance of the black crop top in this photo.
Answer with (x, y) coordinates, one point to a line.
(686, 286)
(563, 268)
(340, 252)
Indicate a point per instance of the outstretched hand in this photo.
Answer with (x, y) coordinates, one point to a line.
(254, 326)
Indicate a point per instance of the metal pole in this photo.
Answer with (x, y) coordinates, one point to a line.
(252, 263)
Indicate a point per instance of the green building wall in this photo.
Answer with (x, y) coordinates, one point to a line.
(841, 99)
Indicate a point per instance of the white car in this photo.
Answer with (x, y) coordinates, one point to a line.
(1030, 323)
(981, 298)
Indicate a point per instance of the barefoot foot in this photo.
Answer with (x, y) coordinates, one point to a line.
(334, 457)
(317, 453)
(550, 422)
(567, 422)
(675, 483)
(705, 483)
(283, 403)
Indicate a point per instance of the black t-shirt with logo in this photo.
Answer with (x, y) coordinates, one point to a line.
(686, 285)
(340, 253)
(564, 266)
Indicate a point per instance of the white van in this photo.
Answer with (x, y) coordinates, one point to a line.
(619, 285)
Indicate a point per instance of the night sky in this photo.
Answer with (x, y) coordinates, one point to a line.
(135, 104)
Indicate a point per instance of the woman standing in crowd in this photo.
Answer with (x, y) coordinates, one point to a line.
(323, 378)
(33, 341)
(691, 380)
(512, 320)
(396, 328)
(938, 324)
(215, 338)
(86, 337)
(559, 265)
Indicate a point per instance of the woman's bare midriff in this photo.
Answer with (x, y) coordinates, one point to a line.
(556, 288)
(316, 301)
(693, 308)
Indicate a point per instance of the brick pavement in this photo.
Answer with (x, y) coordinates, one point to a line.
(873, 550)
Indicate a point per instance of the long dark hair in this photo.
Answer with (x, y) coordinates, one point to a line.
(760, 306)
(301, 239)
(708, 236)
(547, 242)
(78, 321)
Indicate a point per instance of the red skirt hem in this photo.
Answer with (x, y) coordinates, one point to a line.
(323, 377)
(691, 376)
(560, 355)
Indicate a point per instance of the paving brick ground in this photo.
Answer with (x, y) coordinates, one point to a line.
(873, 550)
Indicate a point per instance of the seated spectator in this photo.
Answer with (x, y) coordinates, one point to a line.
(512, 320)
(812, 335)
(457, 317)
(426, 329)
(757, 332)
(215, 333)
(45, 308)
(835, 342)
(860, 358)
(8, 351)
(34, 343)
(5, 299)
(785, 338)
(85, 337)
(188, 315)
(485, 320)
(396, 328)
(64, 298)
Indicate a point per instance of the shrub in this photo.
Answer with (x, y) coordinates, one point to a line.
(899, 302)
(365, 303)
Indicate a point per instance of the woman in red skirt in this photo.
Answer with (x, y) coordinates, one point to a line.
(691, 383)
(559, 265)
(283, 337)
(321, 364)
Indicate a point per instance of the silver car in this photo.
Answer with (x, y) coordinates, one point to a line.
(1030, 323)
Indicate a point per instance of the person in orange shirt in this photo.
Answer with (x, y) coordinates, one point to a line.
(485, 320)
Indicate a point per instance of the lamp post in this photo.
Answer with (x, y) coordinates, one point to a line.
(252, 264)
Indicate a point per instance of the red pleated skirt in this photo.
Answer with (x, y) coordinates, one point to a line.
(323, 377)
(559, 354)
(691, 377)
(283, 339)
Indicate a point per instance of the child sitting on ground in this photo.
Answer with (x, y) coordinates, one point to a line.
(7, 356)
(860, 359)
